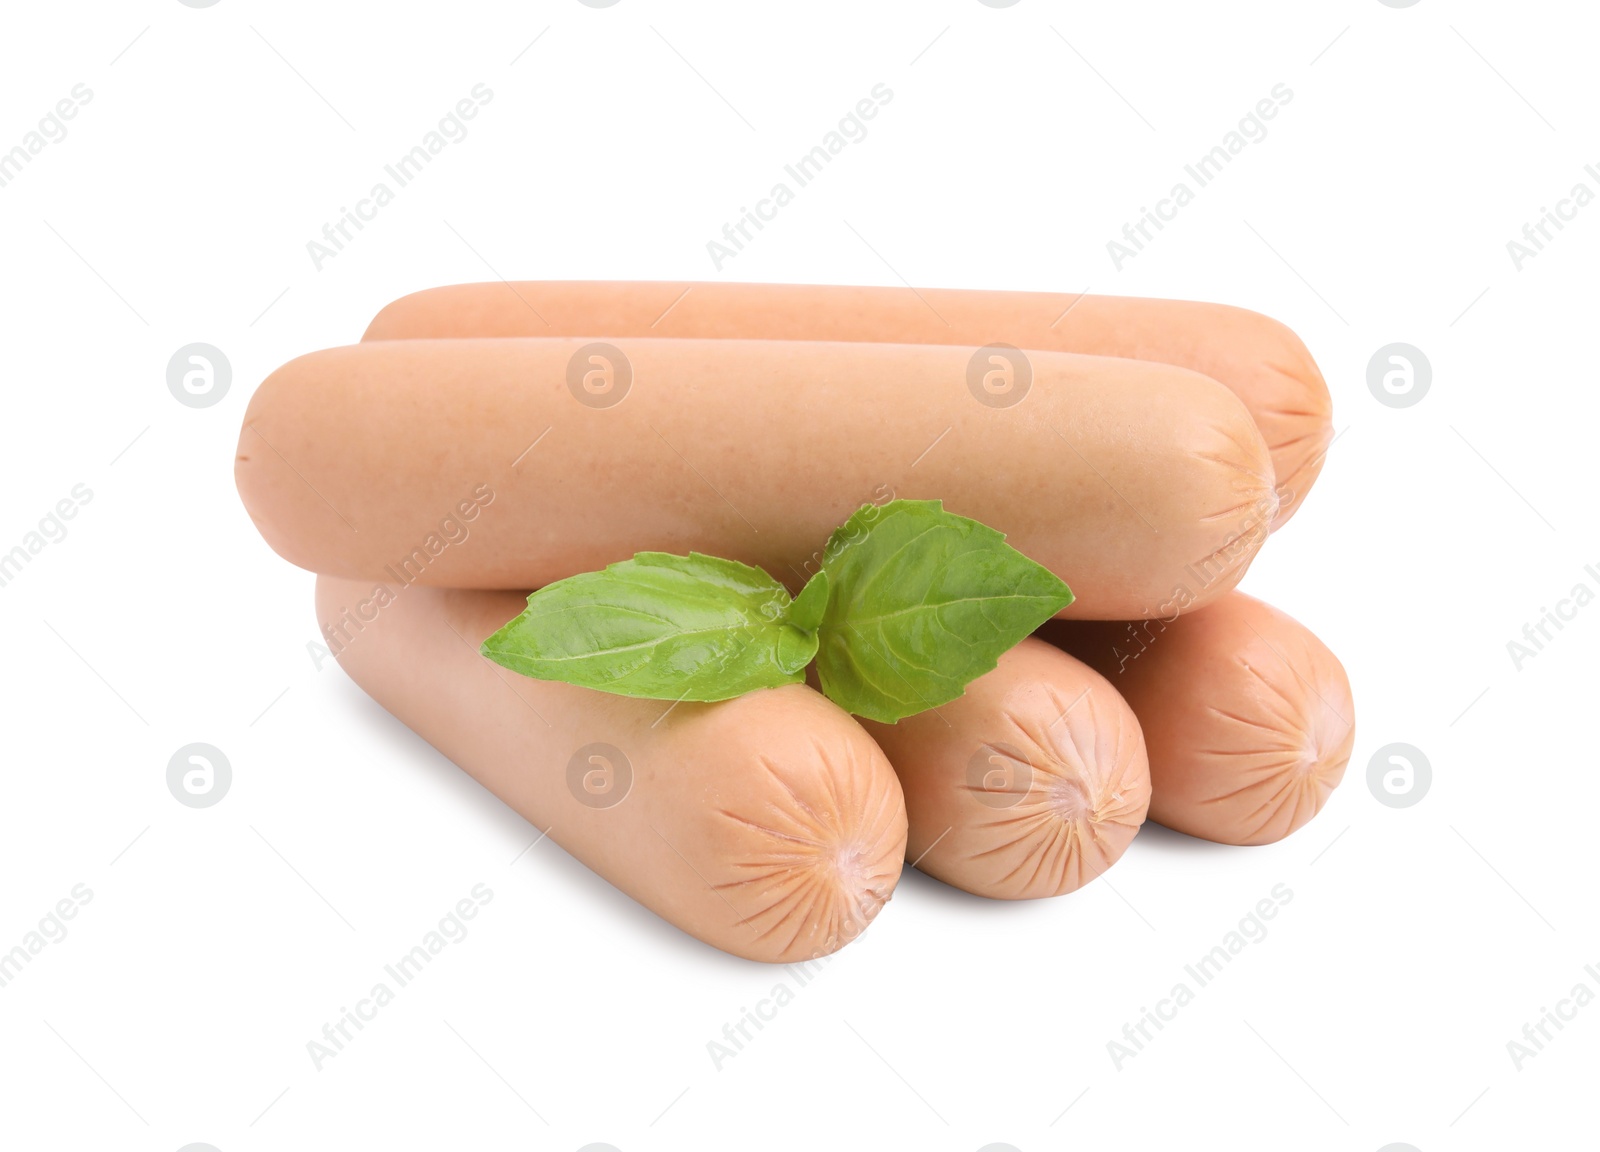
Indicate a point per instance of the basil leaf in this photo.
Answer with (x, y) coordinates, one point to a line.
(806, 611)
(659, 626)
(922, 603)
(798, 644)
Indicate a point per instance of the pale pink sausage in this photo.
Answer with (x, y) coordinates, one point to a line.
(1247, 715)
(1263, 362)
(489, 463)
(770, 826)
(1031, 784)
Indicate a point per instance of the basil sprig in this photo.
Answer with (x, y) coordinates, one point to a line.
(664, 627)
(912, 603)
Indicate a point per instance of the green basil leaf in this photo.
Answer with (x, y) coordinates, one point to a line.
(659, 626)
(806, 611)
(795, 650)
(798, 644)
(922, 603)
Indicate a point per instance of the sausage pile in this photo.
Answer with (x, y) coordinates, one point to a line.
(484, 440)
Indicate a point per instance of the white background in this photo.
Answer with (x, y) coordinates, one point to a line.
(219, 941)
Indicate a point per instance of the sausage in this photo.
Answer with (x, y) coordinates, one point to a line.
(769, 826)
(475, 464)
(1247, 715)
(1031, 784)
(1262, 361)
